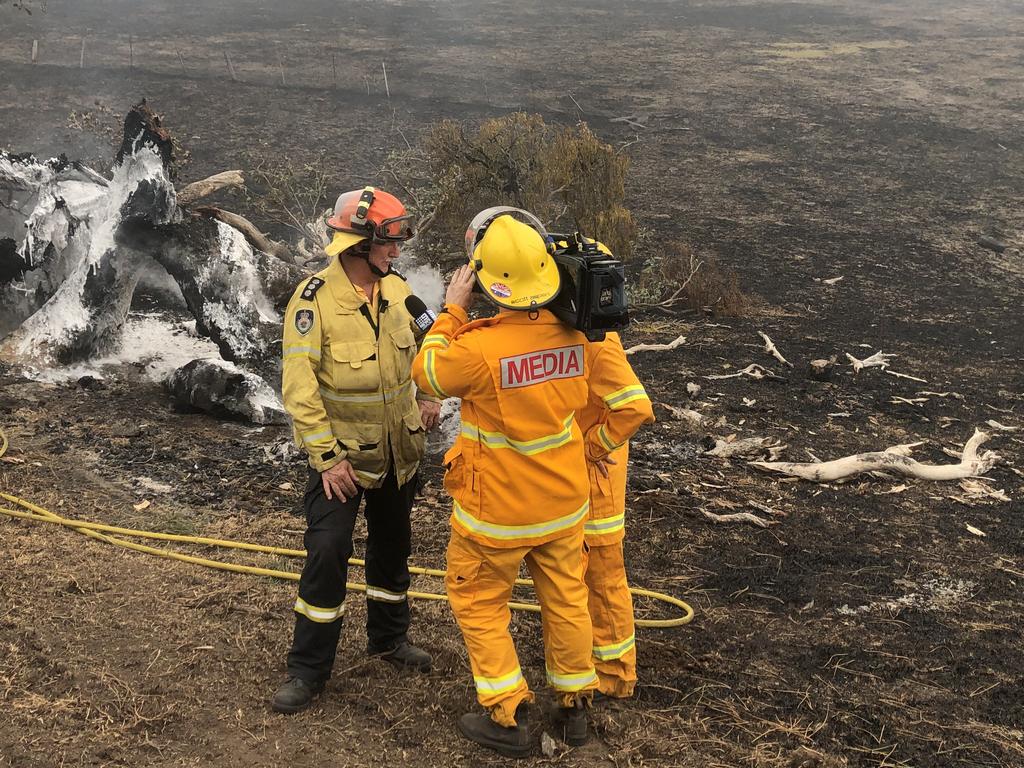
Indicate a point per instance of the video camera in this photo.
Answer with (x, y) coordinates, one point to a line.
(592, 298)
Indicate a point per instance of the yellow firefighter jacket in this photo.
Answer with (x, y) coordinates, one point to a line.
(517, 472)
(606, 524)
(346, 377)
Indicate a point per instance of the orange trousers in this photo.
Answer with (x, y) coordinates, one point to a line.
(611, 612)
(479, 583)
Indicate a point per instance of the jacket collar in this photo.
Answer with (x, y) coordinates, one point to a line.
(341, 288)
(345, 295)
(522, 317)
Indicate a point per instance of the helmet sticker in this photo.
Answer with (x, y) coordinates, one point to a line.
(304, 321)
(500, 290)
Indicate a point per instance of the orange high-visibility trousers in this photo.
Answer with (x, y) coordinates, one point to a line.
(479, 582)
(611, 611)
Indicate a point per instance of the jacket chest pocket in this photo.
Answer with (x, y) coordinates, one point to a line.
(356, 367)
(405, 346)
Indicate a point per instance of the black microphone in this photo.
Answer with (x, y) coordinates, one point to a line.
(421, 314)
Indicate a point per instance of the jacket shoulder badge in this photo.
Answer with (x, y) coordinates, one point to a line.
(314, 285)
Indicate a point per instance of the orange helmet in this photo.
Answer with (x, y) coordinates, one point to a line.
(367, 213)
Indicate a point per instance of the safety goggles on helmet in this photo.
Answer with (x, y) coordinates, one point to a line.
(373, 214)
(478, 226)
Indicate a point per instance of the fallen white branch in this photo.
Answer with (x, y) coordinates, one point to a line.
(905, 376)
(766, 509)
(693, 419)
(739, 517)
(975, 489)
(746, 446)
(771, 349)
(197, 190)
(656, 347)
(879, 359)
(894, 459)
(753, 370)
(1001, 427)
(954, 395)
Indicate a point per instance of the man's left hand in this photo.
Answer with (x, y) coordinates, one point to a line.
(430, 413)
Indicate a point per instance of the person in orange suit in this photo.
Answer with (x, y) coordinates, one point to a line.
(610, 602)
(518, 473)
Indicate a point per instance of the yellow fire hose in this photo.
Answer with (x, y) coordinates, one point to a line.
(30, 511)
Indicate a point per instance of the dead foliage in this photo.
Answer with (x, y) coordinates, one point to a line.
(292, 196)
(679, 280)
(566, 176)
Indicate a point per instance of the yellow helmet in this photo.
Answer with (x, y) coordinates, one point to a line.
(513, 261)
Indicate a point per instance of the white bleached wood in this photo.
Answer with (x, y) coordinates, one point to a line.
(771, 349)
(753, 370)
(896, 460)
(656, 347)
(738, 517)
(879, 359)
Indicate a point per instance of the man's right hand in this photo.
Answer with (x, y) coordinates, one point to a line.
(460, 289)
(340, 481)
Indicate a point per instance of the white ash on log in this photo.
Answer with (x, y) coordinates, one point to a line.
(218, 387)
(74, 244)
(79, 283)
(235, 293)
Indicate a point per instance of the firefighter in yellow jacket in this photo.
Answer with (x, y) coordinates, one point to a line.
(347, 357)
(518, 473)
(610, 602)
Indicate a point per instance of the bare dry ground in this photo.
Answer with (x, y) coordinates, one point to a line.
(796, 142)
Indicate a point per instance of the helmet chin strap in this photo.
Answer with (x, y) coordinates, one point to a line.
(377, 270)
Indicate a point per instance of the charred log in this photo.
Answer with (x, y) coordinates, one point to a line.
(221, 389)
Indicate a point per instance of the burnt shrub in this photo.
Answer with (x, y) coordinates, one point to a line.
(677, 279)
(564, 175)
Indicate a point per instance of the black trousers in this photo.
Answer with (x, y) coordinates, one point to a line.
(319, 611)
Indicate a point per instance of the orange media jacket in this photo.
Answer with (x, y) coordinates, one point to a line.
(517, 472)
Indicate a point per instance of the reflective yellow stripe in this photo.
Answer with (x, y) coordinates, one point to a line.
(365, 398)
(317, 436)
(428, 369)
(621, 397)
(499, 684)
(506, 532)
(616, 650)
(319, 615)
(301, 352)
(576, 682)
(606, 441)
(526, 447)
(601, 525)
(383, 595)
(435, 340)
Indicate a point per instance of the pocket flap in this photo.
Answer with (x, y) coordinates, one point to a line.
(413, 421)
(453, 453)
(353, 352)
(403, 338)
(357, 436)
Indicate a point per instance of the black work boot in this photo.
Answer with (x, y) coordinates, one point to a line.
(405, 655)
(295, 695)
(510, 742)
(573, 722)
